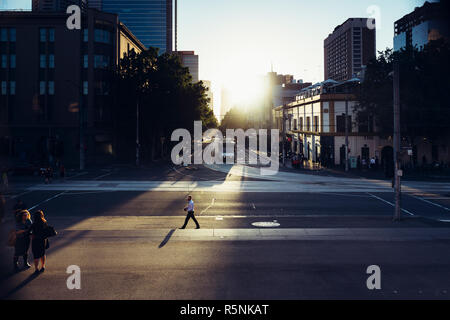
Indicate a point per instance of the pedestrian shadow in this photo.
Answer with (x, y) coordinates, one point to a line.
(30, 278)
(166, 239)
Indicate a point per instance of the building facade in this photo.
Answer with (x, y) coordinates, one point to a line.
(151, 21)
(315, 126)
(349, 48)
(190, 60)
(47, 71)
(426, 23)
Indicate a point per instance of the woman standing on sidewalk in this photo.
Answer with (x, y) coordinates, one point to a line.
(23, 226)
(40, 242)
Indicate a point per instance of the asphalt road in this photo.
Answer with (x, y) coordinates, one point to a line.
(104, 232)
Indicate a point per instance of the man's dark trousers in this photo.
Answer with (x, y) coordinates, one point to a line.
(190, 215)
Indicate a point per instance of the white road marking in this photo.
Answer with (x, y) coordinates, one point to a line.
(47, 200)
(429, 202)
(212, 203)
(103, 175)
(389, 203)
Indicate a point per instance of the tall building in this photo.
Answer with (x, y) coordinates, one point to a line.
(190, 60)
(349, 48)
(150, 20)
(426, 23)
(225, 103)
(46, 71)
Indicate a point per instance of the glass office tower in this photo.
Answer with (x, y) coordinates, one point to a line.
(149, 20)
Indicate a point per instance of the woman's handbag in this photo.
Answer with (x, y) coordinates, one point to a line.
(49, 232)
(12, 237)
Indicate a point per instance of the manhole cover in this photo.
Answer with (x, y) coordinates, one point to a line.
(266, 224)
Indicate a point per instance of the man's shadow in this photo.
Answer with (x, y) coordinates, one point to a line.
(166, 239)
(30, 278)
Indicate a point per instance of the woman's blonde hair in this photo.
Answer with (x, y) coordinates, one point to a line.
(39, 215)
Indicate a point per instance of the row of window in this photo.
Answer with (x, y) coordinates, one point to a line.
(47, 60)
(4, 61)
(5, 85)
(100, 35)
(47, 34)
(8, 34)
(47, 88)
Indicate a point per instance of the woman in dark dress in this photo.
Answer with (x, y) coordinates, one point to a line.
(23, 225)
(39, 243)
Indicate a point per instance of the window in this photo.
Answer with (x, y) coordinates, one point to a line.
(316, 124)
(12, 61)
(85, 88)
(43, 35)
(12, 35)
(101, 61)
(340, 123)
(12, 88)
(308, 124)
(4, 34)
(4, 61)
(43, 61)
(3, 87)
(85, 35)
(102, 36)
(51, 88)
(301, 124)
(51, 35)
(42, 87)
(51, 61)
(86, 61)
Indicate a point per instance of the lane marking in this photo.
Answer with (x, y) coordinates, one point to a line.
(47, 200)
(103, 175)
(429, 202)
(207, 208)
(390, 203)
(77, 175)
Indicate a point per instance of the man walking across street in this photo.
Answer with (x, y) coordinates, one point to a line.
(190, 213)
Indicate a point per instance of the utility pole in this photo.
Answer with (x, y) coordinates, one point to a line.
(137, 133)
(81, 105)
(284, 136)
(397, 134)
(176, 25)
(346, 133)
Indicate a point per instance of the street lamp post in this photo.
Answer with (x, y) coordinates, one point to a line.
(346, 134)
(81, 105)
(137, 134)
(397, 133)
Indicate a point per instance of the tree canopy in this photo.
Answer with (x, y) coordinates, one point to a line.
(166, 96)
(424, 91)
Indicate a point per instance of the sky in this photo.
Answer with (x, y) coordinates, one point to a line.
(239, 40)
